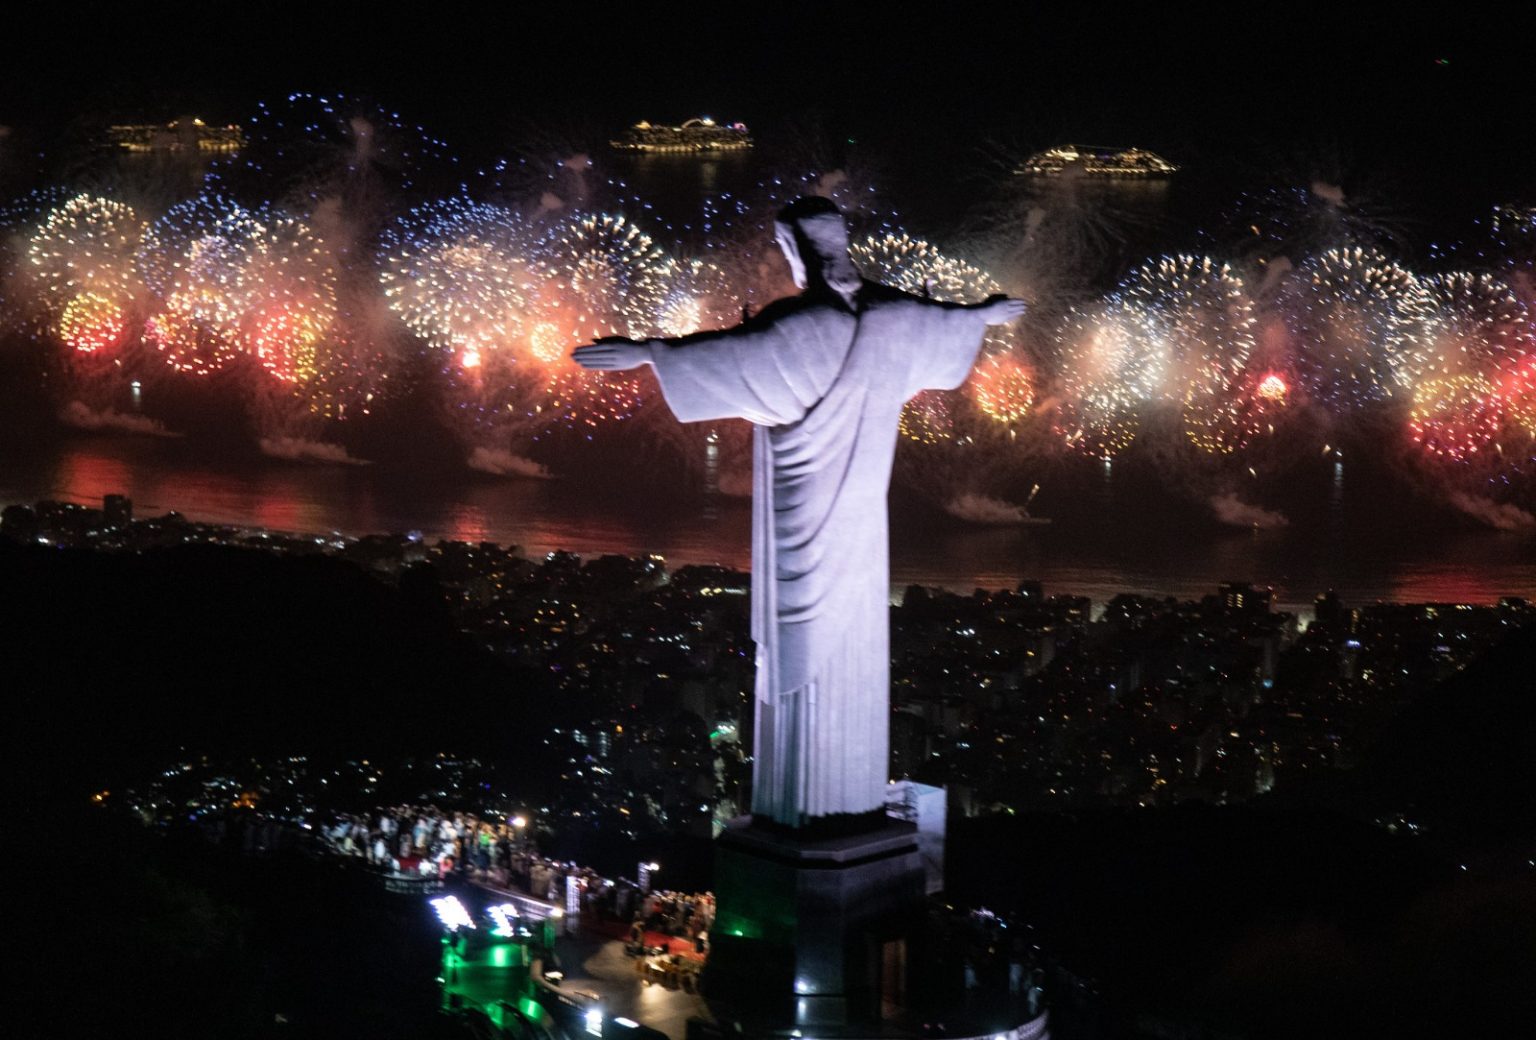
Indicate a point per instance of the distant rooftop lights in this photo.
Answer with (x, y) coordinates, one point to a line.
(452, 913)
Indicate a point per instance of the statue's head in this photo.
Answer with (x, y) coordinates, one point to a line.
(814, 238)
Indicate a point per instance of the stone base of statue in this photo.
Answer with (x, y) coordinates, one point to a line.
(812, 927)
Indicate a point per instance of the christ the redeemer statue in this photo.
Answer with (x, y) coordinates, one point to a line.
(823, 376)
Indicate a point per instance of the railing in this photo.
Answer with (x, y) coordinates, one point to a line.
(410, 884)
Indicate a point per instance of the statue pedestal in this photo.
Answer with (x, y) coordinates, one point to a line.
(814, 931)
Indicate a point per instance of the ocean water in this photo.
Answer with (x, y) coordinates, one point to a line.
(1111, 531)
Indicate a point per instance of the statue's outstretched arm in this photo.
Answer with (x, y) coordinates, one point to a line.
(618, 354)
(1000, 310)
(731, 374)
(615, 354)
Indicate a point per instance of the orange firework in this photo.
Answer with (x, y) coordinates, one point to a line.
(92, 324)
(1003, 387)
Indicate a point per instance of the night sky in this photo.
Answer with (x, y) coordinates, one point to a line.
(1441, 99)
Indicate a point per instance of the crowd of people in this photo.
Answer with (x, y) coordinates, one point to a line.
(423, 841)
(684, 915)
(404, 840)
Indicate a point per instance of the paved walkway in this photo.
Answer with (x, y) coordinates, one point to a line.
(601, 966)
(619, 930)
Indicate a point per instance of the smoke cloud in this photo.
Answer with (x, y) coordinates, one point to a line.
(1230, 509)
(502, 463)
(1501, 515)
(83, 417)
(983, 509)
(299, 449)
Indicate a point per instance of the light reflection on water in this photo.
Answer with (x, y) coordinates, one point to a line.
(1116, 542)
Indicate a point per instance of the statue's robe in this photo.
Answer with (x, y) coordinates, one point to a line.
(825, 386)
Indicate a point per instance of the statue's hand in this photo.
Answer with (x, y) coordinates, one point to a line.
(1000, 310)
(614, 354)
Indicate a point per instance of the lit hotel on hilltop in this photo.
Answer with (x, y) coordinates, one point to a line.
(1097, 162)
(696, 135)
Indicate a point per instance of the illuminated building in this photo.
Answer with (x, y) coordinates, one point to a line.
(1243, 598)
(696, 135)
(179, 135)
(1097, 162)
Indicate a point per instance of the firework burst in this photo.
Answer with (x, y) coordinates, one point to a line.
(1356, 321)
(917, 266)
(1203, 318)
(262, 285)
(1456, 417)
(603, 276)
(1476, 324)
(1112, 369)
(1202, 325)
(92, 324)
(200, 241)
(1003, 387)
(1518, 390)
(700, 297)
(288, 296)
(929, 418)
(460, 276)
(612, 276)
(79, 262)
(194, 259)
(189, 337)
(1225, 421)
